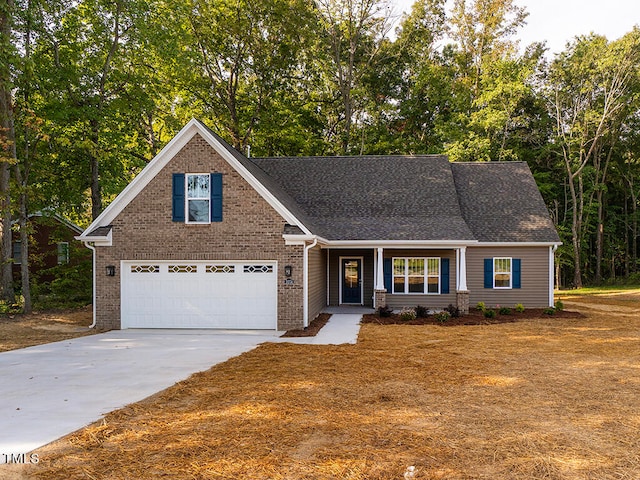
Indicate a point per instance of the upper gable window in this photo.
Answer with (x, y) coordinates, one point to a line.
(198, 198)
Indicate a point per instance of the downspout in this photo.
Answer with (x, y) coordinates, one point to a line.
(93, 255)
(552, 251)
(305, 282)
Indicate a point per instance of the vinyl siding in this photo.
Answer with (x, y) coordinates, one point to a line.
(534, 291)
(397, 301)
(317, 294)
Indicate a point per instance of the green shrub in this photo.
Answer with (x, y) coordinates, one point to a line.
(421, 312)
(520, 308)
(489, 313)
(480, 306)
(453, 311)
(407, 314)
(549, 311)
(384, 311)
(559, 305)
(505, 311)
(442, 317)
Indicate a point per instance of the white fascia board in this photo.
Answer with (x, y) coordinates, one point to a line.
(251, 180)
(518, 244)
(430, 244)
(164, 156)
(292, 239)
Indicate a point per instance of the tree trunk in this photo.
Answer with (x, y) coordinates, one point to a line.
(7, 154)
(24, 258)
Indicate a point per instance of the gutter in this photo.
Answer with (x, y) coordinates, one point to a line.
(305, 282)
(93, 302)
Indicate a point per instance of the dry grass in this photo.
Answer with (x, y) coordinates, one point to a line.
(542, 399)
(19, 331)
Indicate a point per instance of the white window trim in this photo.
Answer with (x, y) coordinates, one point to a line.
(510, 287)
(187, 198)
(425, 277)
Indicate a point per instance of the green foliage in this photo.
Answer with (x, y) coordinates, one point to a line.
(559, 306)
(421, 312)
(452, 310)
(505, 311)
(489, 313)
(519, 308)
(480, 306)
(384, 311)
(407, 314)
(443, 316)
(71, 287)
(549, 311)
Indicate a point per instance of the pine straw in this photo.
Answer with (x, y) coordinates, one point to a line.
(548, 398)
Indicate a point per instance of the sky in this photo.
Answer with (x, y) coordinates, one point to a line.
(558, 21)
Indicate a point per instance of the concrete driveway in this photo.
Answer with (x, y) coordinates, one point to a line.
(51, 390)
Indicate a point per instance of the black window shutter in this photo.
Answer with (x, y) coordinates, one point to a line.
(386, 270)
(444, 275)
(178, 198)
(488, 273)
(517, 268)
(216, 197)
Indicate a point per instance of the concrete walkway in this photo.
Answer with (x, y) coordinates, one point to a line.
(51, 390)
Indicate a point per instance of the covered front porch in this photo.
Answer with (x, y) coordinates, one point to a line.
(397, 276)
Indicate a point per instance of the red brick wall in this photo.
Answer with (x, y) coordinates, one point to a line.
(251, 230)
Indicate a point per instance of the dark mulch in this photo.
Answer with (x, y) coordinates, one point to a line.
(313, 328)
(474, 317)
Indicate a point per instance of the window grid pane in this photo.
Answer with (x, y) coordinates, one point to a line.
(198, 186)
(502, 272)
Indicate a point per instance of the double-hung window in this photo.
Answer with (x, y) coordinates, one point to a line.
(63, 253)
(198, 198)
(416, 275)
(502, 272)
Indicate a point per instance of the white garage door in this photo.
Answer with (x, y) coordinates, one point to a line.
(187, 294)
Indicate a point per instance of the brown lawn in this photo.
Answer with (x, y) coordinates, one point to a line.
(552, 398)
(19, 331)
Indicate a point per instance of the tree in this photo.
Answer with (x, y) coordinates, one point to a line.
(7, 146)
(352, 34)
(588, 89)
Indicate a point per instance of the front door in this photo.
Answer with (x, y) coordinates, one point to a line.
(351, 280)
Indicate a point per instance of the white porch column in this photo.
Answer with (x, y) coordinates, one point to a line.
(462, 269)
(380, 270)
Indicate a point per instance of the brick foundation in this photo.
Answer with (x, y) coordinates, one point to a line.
(379, 298)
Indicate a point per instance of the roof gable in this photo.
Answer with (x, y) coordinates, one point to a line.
(228, 153)
(502, 203)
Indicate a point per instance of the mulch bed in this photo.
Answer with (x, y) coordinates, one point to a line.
(474, 317)
(313, 328)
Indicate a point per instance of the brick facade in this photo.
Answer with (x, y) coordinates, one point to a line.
(251, 230)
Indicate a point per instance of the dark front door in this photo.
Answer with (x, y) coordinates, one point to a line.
(351, 280)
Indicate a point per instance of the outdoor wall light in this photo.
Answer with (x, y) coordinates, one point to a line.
(111, 270)
(288, 270)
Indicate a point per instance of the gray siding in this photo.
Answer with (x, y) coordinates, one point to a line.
(317, 294)
(534, 277)
(397, 301)
(367, 272)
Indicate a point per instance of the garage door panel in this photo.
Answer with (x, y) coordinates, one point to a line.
(199, 295)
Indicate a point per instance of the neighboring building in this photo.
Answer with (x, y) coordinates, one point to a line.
(205, 238)
(51, 244)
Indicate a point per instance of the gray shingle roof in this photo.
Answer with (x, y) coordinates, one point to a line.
(413, 197)
(502, 203)
(373, 197)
